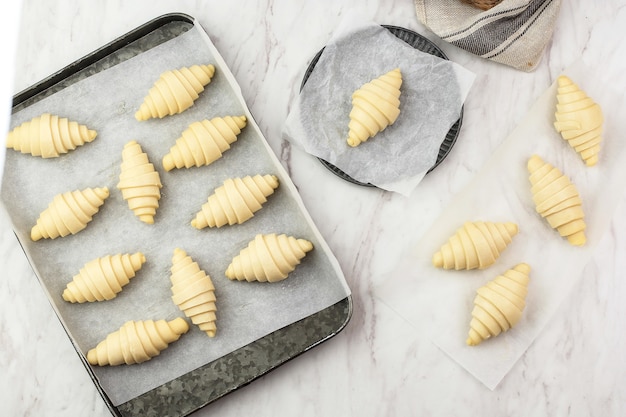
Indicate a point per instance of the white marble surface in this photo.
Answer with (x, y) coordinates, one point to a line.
(376, 366)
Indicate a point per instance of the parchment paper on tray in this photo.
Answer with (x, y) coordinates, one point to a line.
(396, 159)
(107, 102)
(439, 302)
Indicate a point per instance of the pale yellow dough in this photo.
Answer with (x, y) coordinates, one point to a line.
(137, 342)
(375, 105)
(139, 183)
(175, 91)
(204, 142)
(475, 245)
(557, 200)
(49, 136)
(499, 304)
(268, 258)
(235, 201)
(193, 292)
(579, 120)
(103, 278)
(69, 213)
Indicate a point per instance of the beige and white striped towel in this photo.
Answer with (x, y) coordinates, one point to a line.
(514, 32)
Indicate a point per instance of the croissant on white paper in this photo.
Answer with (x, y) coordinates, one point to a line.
(175, 91)
(268, 258)
(49, 136)
(139, 183)
(193, 292)
(499, 304)
(137, 342)
(375, 106)
(235, 201)
(579, 120)
(204, 142)
(69, 213)
(103, 278)
(557, 199)
(475, 245)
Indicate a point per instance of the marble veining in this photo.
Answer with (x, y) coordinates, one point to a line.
(376, 366)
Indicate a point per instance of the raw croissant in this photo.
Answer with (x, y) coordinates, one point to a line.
(137, 342)
(193, 292)
(475, 245)
(49, 136)
(268, 258)
(139, 182)
(558, 200)
(204, 142)
(499, 304)
(103, 278)
(175, 91)
(69, 213)
(579, 120)
(235, 201)
(375, 105)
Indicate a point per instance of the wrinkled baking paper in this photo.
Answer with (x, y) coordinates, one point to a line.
(107, 102)
(439, 302)
(432, 94)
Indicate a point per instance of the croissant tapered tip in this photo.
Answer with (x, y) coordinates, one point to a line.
(168, 162)
(437, 260)
(92, 357)
(534, 163)
(229, 272)
(102, 192)
(240, 121)
(305, 245)
(577, 239)
(563, 80)
(512, 228)
(35, 233)
(179, 325)
(523, 268)
(92, 135)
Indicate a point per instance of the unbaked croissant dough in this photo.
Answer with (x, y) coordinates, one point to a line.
(557, 200)
(103, 278)
(475, 245)
(137, 342)
(235, 201)
(139, 182)
(193, 292)
(204, 142)
(49, 136)
(579, 120)
(69, 213)
(375, 105)
(499, 304)
(268, 258)
(175, 91)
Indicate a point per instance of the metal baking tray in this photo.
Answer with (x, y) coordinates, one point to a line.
(210, 382)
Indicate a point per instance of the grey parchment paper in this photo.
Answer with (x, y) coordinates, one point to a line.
(432, 93)
(107, 102)
(439, 303)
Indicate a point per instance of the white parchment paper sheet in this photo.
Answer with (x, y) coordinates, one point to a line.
(396, 159)
(107, 102)
(439, 303)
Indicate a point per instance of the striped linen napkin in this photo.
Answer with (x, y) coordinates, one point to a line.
(514, 32)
